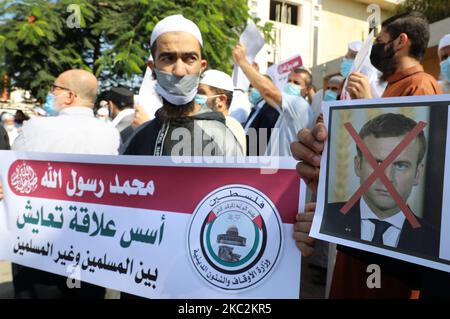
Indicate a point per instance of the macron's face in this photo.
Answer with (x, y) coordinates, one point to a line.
(179, 53)
(404, 172)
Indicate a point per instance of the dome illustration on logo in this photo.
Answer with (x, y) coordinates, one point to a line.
(235, 238)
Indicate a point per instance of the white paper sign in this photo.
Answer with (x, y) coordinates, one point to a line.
(280, 72)
(253, 41)
(363, 65)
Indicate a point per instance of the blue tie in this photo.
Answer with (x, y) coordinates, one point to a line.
(380, 228)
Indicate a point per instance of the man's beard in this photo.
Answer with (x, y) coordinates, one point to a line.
(171, 111)
(388, 65)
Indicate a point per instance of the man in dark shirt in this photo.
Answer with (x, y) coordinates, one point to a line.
(4, 139)
(181, 127)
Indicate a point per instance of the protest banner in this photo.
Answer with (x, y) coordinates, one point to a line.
(152, 227)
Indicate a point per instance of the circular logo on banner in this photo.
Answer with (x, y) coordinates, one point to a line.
(24, 179)
(235, 238)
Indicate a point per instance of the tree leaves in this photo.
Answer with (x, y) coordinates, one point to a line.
(434, 10)
(113, 39)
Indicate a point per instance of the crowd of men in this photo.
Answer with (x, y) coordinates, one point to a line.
(180, 94)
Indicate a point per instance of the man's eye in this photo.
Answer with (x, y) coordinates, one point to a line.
(166, 58)
(191, 58)
(401, 166)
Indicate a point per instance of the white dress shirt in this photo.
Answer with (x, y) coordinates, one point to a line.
(74, 130)
(121, 115)
(391, 235)
(240, 106)
(295, 114)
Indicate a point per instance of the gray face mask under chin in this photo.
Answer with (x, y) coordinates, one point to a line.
(176, 90)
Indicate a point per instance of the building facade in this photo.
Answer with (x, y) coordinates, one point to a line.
(318, 30)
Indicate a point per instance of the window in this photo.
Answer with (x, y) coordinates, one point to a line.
(284, 12)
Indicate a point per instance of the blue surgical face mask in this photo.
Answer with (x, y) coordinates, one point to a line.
(201, 99)
(292, 89)
(346, 67)
(49, 105)
(177, 90)
(330, 96)
(445, 69)
(254, 96)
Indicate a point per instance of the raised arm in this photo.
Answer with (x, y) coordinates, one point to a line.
(268, 90)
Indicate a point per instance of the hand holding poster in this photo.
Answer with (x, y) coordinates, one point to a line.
(384, 186)
(363, 65)
(253, 41)
(153, 228)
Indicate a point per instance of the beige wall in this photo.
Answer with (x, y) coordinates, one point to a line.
(430, 61)
(342, 21)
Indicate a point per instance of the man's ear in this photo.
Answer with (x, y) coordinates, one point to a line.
(223, 101)
(151, 65)
(419, 173)
(70, 99)
(403, 41)
(357, 165)
(204, 65)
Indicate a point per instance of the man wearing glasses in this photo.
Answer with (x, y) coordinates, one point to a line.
(73, 130)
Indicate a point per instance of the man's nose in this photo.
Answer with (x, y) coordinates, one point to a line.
(179, 68)
(389, 172)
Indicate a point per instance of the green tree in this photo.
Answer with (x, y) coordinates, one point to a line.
(37, 41)
(434, 10)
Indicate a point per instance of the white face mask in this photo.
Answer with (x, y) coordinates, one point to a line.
(176, 90)
(9, 127)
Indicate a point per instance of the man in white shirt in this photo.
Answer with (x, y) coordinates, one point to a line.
(7, 121)
(295, 112)
(332, 93)
(376, 217)
(216, 92)
(74, 130)
(121, 107)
